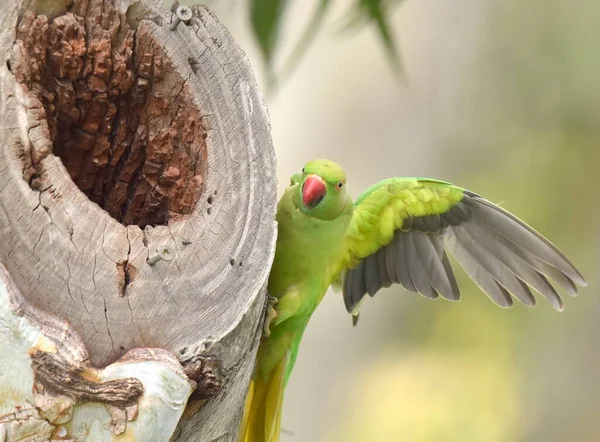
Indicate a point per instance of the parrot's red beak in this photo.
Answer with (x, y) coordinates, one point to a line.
(313, 190)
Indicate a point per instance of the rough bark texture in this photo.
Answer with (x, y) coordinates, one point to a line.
(137, 200)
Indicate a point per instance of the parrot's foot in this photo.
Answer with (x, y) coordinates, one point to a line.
(271, 314)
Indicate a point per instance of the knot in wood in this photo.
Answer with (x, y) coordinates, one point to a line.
(205, 372)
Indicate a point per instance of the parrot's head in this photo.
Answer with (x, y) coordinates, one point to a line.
(321, 190)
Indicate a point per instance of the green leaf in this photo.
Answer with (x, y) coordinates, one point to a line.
(307, 37)
(267, 15)
(378, 11)
(266, 18)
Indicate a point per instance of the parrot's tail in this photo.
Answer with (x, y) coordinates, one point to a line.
(262, 412)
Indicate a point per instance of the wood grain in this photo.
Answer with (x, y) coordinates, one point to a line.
(120, 137)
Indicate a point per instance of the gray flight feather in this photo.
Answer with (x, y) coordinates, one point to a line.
(493, 266)
(517, 231)
(384, 276)
(451, 277)
(498, 251)
(402, 257)
(431, 260)
(358, 283)
(390, 258)
(418, 273)
(515, 259)
(372, 282)
(347, 290)
(478, 274)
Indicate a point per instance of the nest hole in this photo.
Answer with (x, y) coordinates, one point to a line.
(116, 114)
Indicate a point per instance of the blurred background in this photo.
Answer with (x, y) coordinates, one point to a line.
(501, 97)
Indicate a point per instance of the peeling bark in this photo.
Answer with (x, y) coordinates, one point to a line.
(49, 387)
(136, 176)
(59, 377)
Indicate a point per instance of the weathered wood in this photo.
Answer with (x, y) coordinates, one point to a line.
(123, 142)
(49, 389)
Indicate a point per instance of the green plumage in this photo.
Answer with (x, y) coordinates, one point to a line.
(396, 232)
(309, 245)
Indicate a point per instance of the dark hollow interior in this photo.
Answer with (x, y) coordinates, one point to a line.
(119, 117)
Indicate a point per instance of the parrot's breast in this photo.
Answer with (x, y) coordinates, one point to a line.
(307, 248)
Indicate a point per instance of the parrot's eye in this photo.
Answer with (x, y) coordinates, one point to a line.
(303, 170)
(340, 185)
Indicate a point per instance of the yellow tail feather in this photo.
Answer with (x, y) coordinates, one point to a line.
(262, 412)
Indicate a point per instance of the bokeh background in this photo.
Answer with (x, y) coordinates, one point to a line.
(498, 96)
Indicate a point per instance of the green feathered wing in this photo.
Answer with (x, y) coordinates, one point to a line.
(402, 229)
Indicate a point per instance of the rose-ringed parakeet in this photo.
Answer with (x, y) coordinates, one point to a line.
(398, 231)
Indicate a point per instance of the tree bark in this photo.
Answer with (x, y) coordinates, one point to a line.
(137, 207)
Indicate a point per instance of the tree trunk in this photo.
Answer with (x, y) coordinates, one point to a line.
(137, 207)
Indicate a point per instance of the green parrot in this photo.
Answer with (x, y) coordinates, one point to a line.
(396, 232)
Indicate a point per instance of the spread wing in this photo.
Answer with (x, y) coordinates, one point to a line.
(401, 231)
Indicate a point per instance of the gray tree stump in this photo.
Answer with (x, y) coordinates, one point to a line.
(137, 207)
